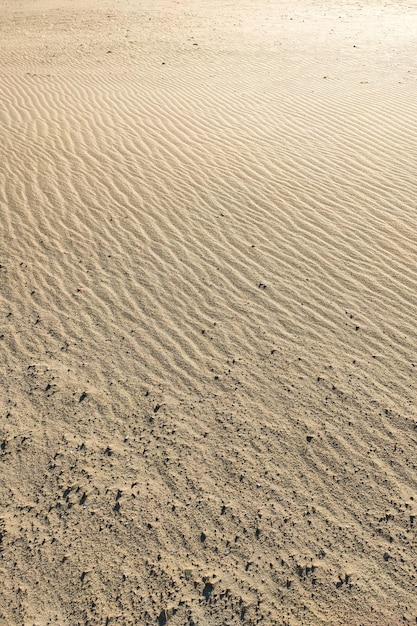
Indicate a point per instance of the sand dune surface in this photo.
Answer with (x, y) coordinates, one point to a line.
(208, 299)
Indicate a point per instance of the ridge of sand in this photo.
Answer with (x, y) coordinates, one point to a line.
(207, 313)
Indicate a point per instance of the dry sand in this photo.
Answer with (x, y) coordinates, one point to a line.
(208, 299)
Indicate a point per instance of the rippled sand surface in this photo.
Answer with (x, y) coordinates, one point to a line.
(208, 295)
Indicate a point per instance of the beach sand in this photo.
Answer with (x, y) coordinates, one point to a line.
(208, 295)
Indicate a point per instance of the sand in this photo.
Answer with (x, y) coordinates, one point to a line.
(207, 313)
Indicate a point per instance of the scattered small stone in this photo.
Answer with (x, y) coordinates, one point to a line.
(309, 438)
(339, 582)
(83, 396)
(208, 590)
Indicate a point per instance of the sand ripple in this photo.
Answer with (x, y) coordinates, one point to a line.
(207, 323)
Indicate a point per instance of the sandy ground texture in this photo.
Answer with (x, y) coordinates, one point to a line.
(208, 299)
